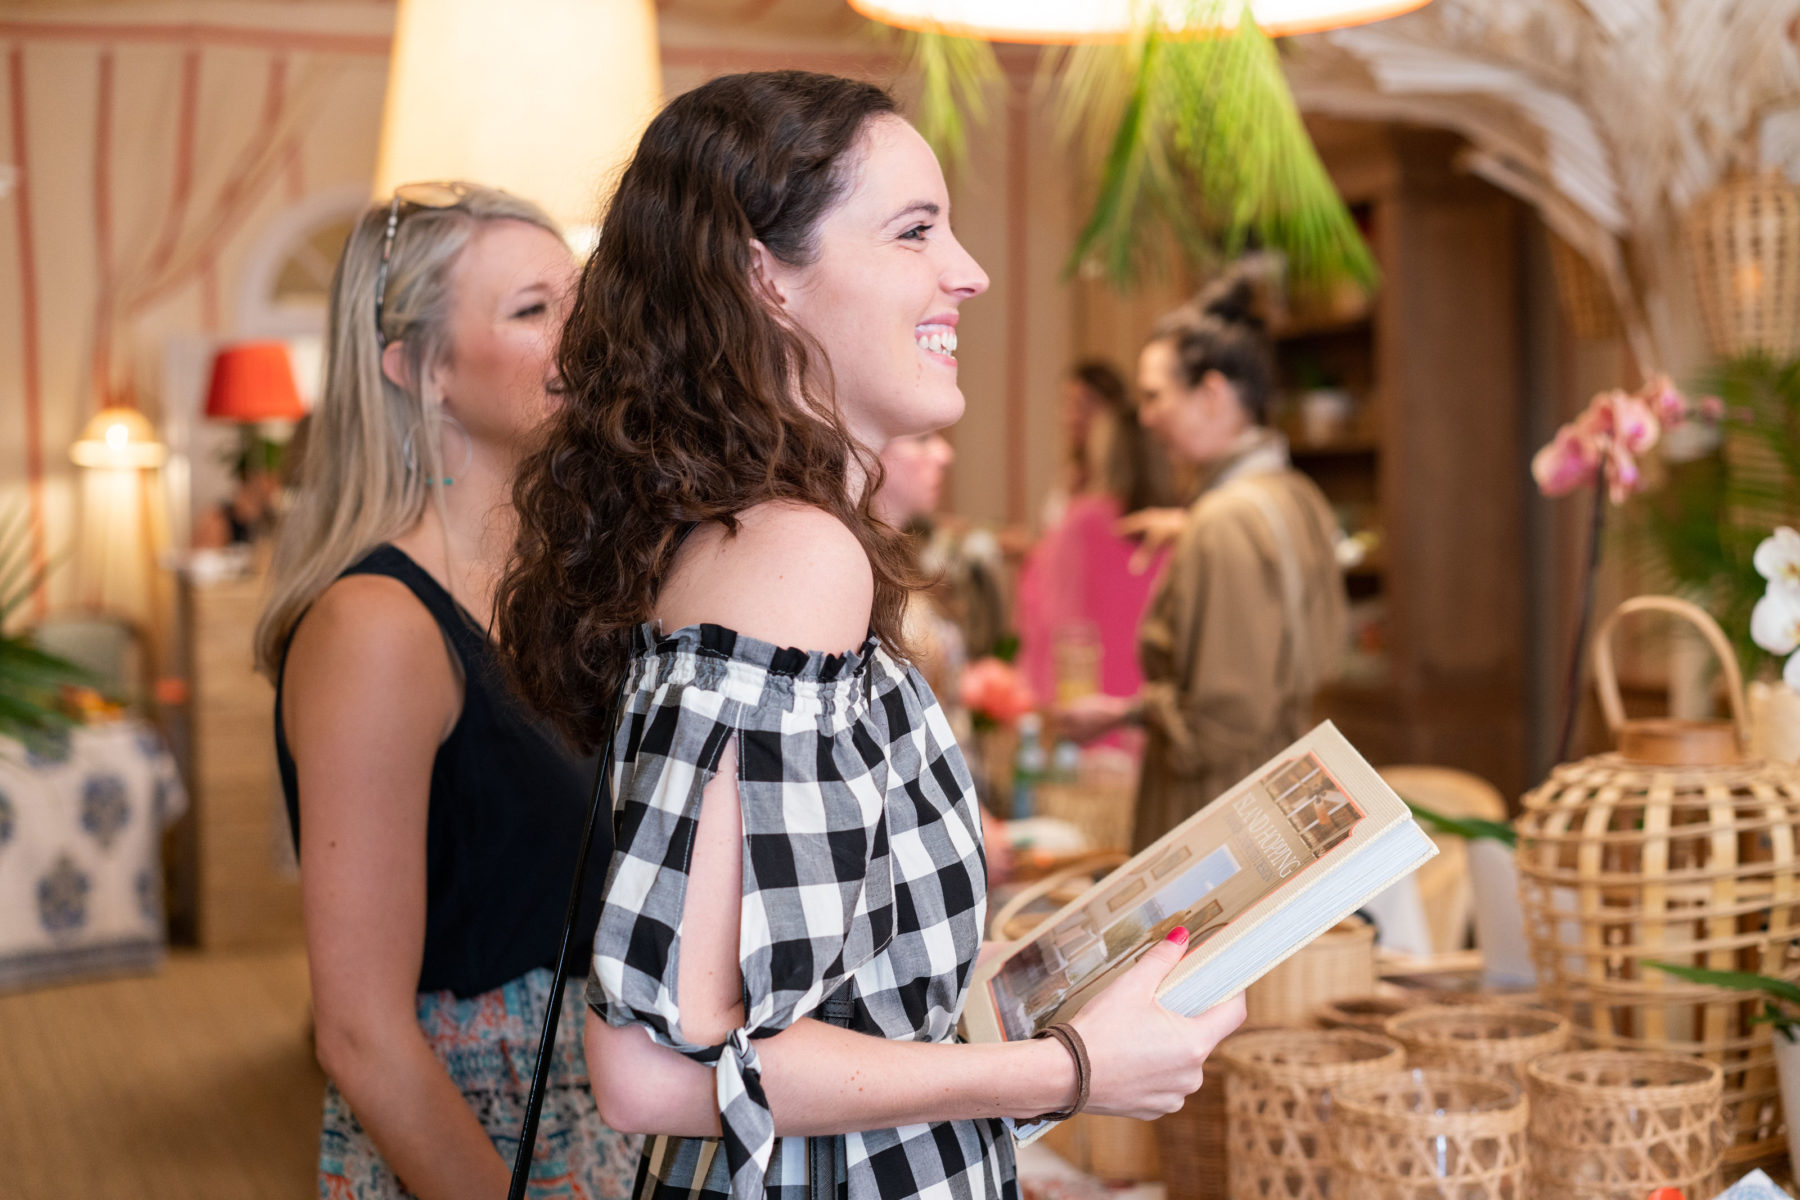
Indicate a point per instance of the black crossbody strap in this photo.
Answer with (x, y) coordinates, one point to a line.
(825, 1158)
(540, 1075)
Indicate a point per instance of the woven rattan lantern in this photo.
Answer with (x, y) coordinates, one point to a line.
(1495, 1041)
(1611, 1125)
(1673, 848)
(1586, 301)
(1428, 1134)
(1744, 245)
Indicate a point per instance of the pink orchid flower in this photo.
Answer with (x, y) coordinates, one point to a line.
(1624, 477)
(1568, 463)
(1670, 406)
(1611, 433)
(1634, 424)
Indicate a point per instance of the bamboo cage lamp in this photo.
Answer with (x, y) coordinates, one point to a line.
(1673, 848)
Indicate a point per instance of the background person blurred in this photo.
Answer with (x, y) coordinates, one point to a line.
(437, 824)
(1249, 617)
(1083, 587)
(912, 483)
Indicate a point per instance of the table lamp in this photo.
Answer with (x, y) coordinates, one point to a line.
(253, 382)
(252, 385)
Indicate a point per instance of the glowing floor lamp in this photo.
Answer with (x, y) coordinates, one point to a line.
(124, 525)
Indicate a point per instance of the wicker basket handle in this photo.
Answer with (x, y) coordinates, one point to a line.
(1606, 677)
(1087, 864)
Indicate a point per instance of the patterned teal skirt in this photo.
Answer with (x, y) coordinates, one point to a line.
(488, 1044)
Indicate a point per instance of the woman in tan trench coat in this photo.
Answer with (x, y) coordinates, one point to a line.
(1249, 617)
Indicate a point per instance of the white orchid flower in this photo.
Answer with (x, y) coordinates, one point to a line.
(1775, 621)
(1790, 674)
(1777, 559)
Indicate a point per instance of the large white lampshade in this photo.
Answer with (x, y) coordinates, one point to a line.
(1101, 20)
(545, 98)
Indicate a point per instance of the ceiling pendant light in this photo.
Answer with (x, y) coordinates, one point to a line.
(1066, 21)
(545, 98)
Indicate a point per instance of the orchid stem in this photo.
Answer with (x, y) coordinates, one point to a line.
(1572, 694)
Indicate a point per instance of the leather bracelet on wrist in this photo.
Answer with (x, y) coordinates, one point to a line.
(1071, 1041)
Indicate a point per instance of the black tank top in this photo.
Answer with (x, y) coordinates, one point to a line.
(507, 804)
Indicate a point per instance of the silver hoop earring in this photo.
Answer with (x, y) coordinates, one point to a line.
(442, 419)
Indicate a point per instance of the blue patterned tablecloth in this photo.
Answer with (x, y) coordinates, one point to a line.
(81, 822)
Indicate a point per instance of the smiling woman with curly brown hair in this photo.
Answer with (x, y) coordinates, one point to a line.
(797, 898)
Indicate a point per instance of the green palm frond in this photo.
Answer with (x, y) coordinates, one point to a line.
(1697, 534)
(1782, 996)
(955, 75)
(30, 679)
(1469, 829)
(1194, 137)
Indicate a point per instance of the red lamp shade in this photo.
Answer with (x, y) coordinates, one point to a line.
(254, 381)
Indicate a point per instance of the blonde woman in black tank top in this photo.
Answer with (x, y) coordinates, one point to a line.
(436, 822)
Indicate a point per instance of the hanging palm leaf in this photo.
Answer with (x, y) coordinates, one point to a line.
(954, 75)
(1196, 137)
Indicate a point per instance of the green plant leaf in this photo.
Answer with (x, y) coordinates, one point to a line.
(955, 76)
(1780, 1021)
(1737, 981)
(1696, 533)
(1468, 828)
(30, 678)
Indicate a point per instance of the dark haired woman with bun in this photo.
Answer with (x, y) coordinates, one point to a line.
(1249, 618)
(796, 899)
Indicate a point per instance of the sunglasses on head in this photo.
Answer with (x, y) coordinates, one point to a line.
(413, 196)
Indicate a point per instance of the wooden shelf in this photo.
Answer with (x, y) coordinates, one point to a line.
(1436, 363)
(1359, 692)
(1324, 325)
(1346, 448)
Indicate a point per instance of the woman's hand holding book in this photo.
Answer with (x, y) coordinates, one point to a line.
(1146, 1060)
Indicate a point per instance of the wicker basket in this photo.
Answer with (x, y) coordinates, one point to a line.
(1370, 1013)
(1104, 810)
(1191, 1143)
(1586, 301)
(1367, 1013)
(1743, 242)
(1494, 1041)
(1426, 1134)
(1671, 849)
(1111, 1149)
(1278, 1100)
(1338, 963)
(1613, 1126)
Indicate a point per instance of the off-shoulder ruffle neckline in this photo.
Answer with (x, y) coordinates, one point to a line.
(717, 641)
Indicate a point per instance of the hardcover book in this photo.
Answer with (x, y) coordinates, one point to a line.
(1282, 857)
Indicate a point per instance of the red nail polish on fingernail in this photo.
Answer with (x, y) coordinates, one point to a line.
(1178, 935)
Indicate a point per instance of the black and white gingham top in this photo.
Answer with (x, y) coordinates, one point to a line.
(862, 862)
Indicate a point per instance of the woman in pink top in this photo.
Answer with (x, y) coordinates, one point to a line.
(1084, 584)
